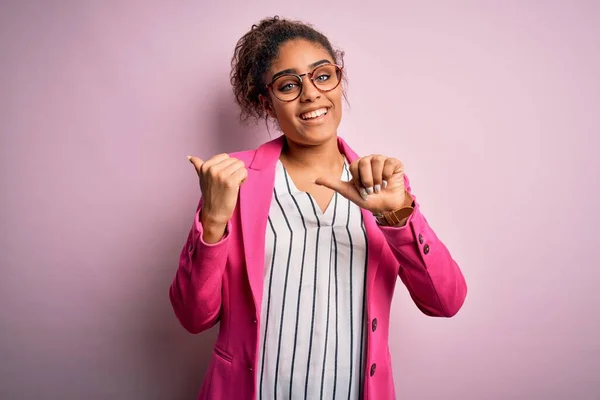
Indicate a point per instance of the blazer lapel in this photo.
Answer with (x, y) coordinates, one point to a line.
(255, 202)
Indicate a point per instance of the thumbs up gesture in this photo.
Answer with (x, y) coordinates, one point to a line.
(220, 179)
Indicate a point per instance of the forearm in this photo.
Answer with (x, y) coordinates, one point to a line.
(427, 268)
(195, 292)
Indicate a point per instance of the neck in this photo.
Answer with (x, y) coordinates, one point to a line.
(324, 156)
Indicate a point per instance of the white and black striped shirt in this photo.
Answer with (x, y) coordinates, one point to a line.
(313, 311)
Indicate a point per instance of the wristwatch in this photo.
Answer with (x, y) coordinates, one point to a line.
(394, 217)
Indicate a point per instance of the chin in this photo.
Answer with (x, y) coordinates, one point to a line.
(310, 134)
(316, 135)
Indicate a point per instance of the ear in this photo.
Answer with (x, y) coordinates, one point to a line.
(267, 105)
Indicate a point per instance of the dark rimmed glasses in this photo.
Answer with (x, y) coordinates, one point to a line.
(288, 87)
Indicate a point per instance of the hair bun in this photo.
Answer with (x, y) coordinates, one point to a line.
(266, 22)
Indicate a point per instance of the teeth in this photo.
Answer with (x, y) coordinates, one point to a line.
(314, 114)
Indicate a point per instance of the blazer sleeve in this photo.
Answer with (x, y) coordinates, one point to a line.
(434, 280)
(195, 292)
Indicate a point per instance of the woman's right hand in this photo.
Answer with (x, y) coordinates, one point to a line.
(220, 179)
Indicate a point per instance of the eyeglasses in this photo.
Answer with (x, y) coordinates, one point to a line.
(287, 87)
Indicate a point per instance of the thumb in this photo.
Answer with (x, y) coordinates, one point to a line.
(197, 162)
(346, 189)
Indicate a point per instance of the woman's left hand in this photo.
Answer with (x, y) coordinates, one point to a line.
(377, 184)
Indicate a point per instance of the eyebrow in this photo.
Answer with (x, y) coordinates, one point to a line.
(295, 71)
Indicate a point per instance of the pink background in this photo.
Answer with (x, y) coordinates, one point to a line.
(494, 107)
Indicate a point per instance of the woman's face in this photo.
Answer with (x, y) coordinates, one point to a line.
(313, 118)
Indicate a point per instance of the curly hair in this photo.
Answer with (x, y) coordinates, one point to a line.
(255, 52)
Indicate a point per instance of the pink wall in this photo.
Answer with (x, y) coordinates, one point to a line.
(100, 103)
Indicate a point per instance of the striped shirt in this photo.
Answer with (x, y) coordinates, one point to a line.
(312, 330)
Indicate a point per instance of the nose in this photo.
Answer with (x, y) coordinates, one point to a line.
(310, 92)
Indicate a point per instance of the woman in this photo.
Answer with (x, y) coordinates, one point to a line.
(296, 246)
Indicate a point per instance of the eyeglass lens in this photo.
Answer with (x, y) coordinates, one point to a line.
(325, 78)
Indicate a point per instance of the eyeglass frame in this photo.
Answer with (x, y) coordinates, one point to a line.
(309, 74)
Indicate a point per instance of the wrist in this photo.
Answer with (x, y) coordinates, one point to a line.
(212, 234)
(213, 229)
(407, 201)
(397, 217)
(206, 217)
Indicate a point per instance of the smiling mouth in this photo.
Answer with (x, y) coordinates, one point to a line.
(314, 114)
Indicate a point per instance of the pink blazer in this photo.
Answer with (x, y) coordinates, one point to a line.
(223, 282)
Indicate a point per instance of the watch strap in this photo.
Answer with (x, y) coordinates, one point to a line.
(394, 217)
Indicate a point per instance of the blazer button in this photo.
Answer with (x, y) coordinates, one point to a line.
(426, 249)
(420, 238)
(373, 368)
(374, 324)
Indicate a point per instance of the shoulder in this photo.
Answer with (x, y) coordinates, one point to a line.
(263, 155)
